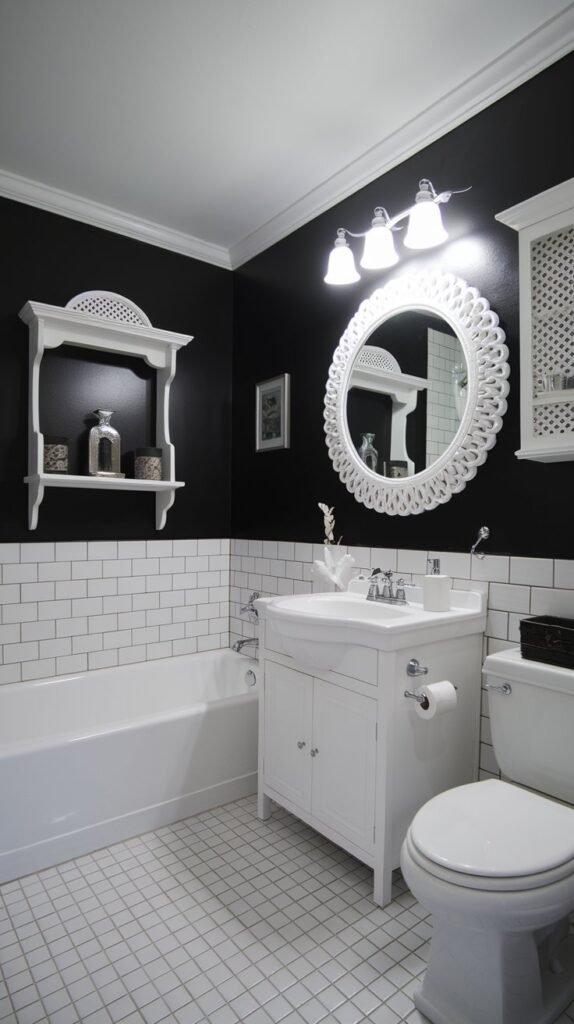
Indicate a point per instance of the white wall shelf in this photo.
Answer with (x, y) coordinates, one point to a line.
(545, 224)
(113, 324)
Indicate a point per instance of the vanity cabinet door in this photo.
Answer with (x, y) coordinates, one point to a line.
(288, 725)
(343, 783)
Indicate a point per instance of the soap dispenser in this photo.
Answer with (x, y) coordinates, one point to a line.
(436, 588)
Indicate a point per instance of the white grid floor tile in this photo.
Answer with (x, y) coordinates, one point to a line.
(217, 919)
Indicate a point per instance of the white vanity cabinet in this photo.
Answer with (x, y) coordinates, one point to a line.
(347, 752)
(319, 751)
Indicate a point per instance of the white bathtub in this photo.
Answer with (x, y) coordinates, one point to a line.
(88, 760)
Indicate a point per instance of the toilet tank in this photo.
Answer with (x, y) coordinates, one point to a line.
(533, 725)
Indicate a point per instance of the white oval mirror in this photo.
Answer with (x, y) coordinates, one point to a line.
(416, 393)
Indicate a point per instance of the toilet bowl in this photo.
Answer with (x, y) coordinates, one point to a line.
(494, 864)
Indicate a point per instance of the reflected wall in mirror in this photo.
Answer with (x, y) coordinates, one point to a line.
(416, 393)
(405, 389)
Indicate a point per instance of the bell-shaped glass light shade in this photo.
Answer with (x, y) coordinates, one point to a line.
(341, 269)
(379, 251)
(425, 225)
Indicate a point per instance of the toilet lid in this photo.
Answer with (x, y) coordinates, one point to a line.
(494, 829)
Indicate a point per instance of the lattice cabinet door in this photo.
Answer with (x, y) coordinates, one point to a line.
(546, 253)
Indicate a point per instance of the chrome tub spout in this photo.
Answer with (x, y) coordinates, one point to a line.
(248, 641)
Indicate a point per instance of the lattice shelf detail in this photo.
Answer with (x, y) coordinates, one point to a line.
(546, 249)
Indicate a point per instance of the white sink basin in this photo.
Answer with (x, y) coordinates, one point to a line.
(317, 629)
(340, 607)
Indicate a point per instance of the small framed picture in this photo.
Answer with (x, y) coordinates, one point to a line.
(395, 468)
(272, 413)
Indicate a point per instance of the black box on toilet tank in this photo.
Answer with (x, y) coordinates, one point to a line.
(547, 638)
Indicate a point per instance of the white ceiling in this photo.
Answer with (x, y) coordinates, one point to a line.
(215, 127)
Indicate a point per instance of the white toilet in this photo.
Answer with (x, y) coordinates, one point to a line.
(494, 863)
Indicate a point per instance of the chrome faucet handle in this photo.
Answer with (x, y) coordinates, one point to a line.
(248, 609)
(400, 591)
(388, 585)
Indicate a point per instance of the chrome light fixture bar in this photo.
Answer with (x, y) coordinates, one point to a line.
(425, 230)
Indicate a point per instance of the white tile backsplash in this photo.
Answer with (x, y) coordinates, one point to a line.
(17, 573)
(535, 572)
(492, 568)
(552, 602)
(384, 558)
(102, 549)
(69, 607)
(497, 624)
(509, 598)
(37, 552)
(76, 606)
(9, 553)
(564, 573)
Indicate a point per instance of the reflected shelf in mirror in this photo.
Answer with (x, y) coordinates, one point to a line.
(412, 429)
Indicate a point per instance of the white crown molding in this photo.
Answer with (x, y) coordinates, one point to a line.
(540, 207)
(527, 58)
(66, 204)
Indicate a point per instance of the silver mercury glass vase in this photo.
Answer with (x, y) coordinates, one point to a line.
(368, 452)
(104, 447)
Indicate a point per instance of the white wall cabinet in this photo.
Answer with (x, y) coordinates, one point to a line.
(109, 323)
(545, 224)
(320, 751)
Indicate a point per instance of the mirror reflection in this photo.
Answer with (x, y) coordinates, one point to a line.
(407, 394)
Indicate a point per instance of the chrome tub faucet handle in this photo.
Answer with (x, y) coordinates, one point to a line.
(249, 609)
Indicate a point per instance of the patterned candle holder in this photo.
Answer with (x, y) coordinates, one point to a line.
(148, 464)
(55, 454)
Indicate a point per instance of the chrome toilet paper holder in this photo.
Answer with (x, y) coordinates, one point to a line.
(419, 697)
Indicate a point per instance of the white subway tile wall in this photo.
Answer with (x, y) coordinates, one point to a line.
(515, 587)
(444, 359)
(72, 607)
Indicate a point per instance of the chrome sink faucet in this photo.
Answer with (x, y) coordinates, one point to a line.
(386, 591)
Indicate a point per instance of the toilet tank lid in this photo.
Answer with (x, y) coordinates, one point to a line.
(495, 829)
(512, 667)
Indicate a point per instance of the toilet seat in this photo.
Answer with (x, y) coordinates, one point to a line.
(494, 836)
(489, 883)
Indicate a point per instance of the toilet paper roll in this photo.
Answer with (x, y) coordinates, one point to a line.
(441, 697)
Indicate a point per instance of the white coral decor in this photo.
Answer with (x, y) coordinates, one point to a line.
(337, 567)
(329, 522)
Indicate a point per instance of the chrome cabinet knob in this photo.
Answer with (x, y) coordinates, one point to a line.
(314, 751)
(301, 744)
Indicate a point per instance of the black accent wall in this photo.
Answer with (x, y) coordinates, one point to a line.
(275, 315)
(50, 259)
(288, 320)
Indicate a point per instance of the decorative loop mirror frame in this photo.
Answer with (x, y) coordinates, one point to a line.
(476, 326)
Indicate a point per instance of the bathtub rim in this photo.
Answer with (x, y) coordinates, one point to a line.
(177, 710)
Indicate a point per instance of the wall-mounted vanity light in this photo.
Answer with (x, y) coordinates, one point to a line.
(425, 230)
